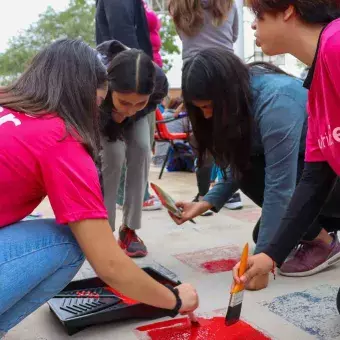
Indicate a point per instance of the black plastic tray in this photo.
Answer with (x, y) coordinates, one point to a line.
(79, 313)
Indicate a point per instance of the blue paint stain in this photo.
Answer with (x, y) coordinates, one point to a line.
(313, 310)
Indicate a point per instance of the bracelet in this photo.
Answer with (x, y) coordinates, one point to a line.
(273, 270)
(174, 312)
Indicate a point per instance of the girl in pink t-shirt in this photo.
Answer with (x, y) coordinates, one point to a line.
(309, 30)
(49, 141)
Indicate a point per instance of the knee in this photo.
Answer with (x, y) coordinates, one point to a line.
(75, 256)
(112, 157)
(141, 151)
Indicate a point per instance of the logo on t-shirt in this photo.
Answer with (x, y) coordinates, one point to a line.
(329, 137)
(9, 118)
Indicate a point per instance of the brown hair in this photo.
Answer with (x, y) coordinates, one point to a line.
(188, 15)
(310, 11)
(62, 79)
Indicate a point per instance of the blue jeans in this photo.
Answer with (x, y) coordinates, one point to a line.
(38, 259)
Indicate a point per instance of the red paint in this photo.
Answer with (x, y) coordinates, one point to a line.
(88, 294)
(209, 329)
(219, 266)
(198, 259)
(124, 298)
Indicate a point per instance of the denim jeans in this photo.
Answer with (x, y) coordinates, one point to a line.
(38, 258)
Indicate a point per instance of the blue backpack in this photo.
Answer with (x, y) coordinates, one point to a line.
(181, 158)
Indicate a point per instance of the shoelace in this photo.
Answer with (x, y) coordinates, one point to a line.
(132, 236)
(303, 249)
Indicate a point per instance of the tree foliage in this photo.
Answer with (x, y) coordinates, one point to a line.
(169, 46)
(77, 21)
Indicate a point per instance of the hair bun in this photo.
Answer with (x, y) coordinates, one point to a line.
(109, 49)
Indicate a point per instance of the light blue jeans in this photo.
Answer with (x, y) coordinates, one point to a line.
(38, 259)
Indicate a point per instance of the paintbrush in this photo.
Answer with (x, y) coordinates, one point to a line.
(237, 292)
(168, 202)
(193, 319)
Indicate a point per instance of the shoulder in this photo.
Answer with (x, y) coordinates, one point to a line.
(45, 130)
(275, 86)
(280, 101)
(330, 40)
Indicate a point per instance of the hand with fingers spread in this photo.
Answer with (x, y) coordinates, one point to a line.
(190, 210)
(259, 266)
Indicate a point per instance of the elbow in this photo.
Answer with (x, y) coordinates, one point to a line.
(110, 272)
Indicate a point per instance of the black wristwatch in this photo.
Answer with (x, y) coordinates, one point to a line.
(174, 312)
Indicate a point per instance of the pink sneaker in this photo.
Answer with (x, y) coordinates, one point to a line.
(312, 257)
(152, 204)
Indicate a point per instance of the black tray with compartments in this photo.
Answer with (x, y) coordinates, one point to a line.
(90, 302)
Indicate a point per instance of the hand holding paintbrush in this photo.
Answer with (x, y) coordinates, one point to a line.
(168, 202)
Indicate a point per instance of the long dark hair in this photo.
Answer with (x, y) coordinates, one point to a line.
(129, 70)
(62, 79)
(220, 76)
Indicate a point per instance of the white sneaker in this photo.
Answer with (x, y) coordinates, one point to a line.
(152, 204)
(234, 202)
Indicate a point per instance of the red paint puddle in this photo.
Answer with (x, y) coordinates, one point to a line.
(124, 298)
(219, 266)
(209, 329)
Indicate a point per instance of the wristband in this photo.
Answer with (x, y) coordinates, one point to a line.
(174, 312)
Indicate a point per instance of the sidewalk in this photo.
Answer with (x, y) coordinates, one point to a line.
(290, 309)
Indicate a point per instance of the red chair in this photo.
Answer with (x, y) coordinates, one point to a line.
(162, 134)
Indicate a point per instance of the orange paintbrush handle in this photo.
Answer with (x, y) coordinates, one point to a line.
(243, 268)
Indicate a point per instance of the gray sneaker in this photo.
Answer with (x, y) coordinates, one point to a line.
(312, 257)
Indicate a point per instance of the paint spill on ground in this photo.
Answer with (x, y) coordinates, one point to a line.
(124, 298)
(313, 310)
(209, 329)
(214, 260)
(219, 266)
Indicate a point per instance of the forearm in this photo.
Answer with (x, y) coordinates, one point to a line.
(310, 195)
(117, 269)
(221, 192)
(126, 277)
(273, 210)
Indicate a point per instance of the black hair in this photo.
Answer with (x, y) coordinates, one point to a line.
(62, 79)
(220, 76)
(129, 70)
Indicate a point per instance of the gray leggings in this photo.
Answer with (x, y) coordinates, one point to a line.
(134, 151)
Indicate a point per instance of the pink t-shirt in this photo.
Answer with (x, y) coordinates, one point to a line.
(323, 138)
(36, 162)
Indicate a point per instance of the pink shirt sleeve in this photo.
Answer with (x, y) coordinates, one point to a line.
(313, 152)
(71, 182)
